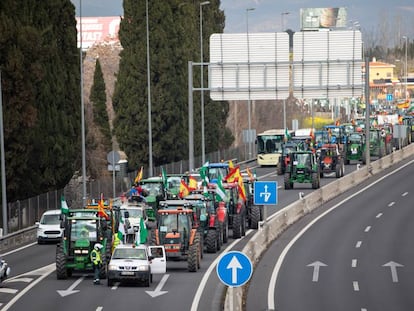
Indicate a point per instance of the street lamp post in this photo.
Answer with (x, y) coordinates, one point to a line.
(282, 19)
(203, 142)
(248, 72)
(150, 165)
(405, 65)
(82, 109)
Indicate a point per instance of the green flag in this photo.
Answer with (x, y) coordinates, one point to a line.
(164, 178)
(287, 135)
(143, 232)
(220, 191)
(64, 208)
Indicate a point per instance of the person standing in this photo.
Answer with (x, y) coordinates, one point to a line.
(96, 259)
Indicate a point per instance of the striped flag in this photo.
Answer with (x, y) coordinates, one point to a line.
(64, 208)
(220, 191)
(121, 229)
(139, 175)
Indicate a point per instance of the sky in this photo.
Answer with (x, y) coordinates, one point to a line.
(267, 16)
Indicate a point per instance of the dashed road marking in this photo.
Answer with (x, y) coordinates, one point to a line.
(25, 280)
(355, 285)
(354, 263)
(367, 228)
(8, 290)
(404, 194)
(358, 244)
(391, 204)
(379, 215)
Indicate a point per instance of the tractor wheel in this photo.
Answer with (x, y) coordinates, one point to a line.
(243, 225)
(255, 217)
(61, 270)
(338, 170)
(219, 237)
(315, 180)
(211, 241)
(237, 226)
(103, 268)
(279, 168)
(224, 228)
(199, 245)
(192, 258)
(287, 181)
(342, 169)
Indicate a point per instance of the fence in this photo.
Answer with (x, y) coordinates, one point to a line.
(24, 213)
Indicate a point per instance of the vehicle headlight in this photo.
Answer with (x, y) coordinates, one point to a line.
(85, 251)
(143, 268)
(112, 267)
(77, 251)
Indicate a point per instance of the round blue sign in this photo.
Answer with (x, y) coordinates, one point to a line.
(234, 269)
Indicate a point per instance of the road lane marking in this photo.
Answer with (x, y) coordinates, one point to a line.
(25, 280)
(99, 308)
(367, 228)
(404, 194)
(8, 290)
(355, 285)
(358, 245)
(272, 283)
(379, 215)
(391, 204)
(354, 263)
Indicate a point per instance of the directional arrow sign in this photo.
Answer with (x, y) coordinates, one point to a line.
(71, 290)
(234, 269)
(265, 192)
(393, 266)
(316, 265)
(158, 292)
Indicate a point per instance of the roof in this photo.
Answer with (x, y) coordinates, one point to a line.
(53, 212)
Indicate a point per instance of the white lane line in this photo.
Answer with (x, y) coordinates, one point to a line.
(354, 263)
(364, 309)
(24, 280)
(358, 244)
(8, 290)
(367, 228)
(404, 194)
(115, 286)
(99, 308)
(272, 283)
(19, 249)
(391, 204)
(355, 285)
(379, 215)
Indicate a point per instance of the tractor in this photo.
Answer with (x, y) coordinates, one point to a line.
(303, 168)
(354, 150)
(254, 213)
(178, 234)
(330, 160)
(82, 229)
(376, 144)
(236, 209)
(287, 148)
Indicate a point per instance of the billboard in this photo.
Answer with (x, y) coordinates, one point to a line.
(317, 18)
(97, 30)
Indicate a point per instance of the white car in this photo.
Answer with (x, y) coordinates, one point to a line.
(48, 228)
(137, 264)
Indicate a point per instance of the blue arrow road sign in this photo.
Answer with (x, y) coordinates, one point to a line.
(389, 97)
(234, 269)
(265, 192)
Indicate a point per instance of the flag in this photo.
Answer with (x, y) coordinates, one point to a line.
(231, 176)
(101, 209)
(220, 191)
(231, 165)
(143, 232)
(192, 183)
(121, 229)
(249, 172)
(287, 135)
(164, 178)
(64, 208)
(184, 190)
(204, 178)
(139, 175)
(239, 179)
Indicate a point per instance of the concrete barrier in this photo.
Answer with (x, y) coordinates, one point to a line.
(18, 238)
(282, 219)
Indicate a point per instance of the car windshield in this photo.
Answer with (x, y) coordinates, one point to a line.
(83, 229)
(152, 188)
(129, 253)
(302, 159)
(133, 212)
(50, 220)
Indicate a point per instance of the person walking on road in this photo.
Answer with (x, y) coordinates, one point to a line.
(96, 262)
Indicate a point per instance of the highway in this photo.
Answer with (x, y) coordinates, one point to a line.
(355, 253)
(33, 282)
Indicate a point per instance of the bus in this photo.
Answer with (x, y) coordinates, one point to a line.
(269, 146)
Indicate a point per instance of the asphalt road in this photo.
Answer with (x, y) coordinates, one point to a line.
(355, 253)
(33, 284)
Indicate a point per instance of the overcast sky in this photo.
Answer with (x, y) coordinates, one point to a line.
(267, 14)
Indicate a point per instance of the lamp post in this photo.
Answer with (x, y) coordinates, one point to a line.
(203, 142)
(82, 109)
(248, 72)
(282, 19)
(405, 65)
(150, 165)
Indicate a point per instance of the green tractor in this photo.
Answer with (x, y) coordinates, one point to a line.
(82, 229)
(377, 146)
(302, 168)
(154, 191)
(355, 147)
